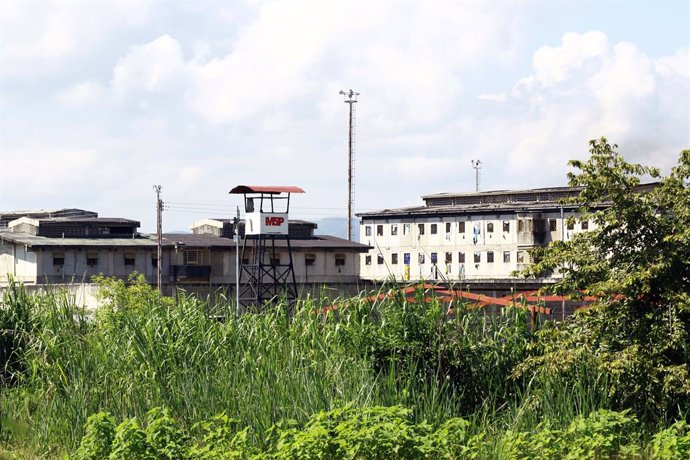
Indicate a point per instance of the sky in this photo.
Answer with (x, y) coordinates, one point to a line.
(100, 100)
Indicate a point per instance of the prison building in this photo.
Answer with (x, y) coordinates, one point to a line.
(56, 250)
(466, 236)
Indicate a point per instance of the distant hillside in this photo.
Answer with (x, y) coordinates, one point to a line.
(337, 226)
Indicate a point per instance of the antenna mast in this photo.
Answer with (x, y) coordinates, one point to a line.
(477, 165)
(351, 99)
(159, 237)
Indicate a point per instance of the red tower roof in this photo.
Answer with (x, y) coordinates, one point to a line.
(266, 189)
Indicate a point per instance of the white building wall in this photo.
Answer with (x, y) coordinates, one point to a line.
(491, 245)
(18, 262)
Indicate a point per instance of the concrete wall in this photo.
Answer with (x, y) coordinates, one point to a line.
(110, 262)
(17, 261)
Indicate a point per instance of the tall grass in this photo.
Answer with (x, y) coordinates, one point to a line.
(142, 351)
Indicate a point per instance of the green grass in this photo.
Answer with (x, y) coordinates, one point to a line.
(143, 351)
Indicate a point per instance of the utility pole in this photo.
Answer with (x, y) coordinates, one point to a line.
(477, 165)
(236, 222)
(351, 99)
(159, 234)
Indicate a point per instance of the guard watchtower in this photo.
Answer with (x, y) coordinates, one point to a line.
(266, 267)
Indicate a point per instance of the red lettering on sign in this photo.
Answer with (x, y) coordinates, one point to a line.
(274, 221)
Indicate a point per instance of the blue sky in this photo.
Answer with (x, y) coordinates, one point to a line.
(99, 100)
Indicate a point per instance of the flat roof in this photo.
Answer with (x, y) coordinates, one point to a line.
(213, 241)
(466, 209)
(502, 192)
(42, 241)
(266, 189)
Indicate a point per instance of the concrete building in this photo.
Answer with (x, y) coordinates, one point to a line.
(317, 259)
(50, 250)
(465, 236)
(37, 249)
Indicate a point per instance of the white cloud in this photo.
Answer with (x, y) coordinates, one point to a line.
(36, 34)
(155, 67)
(82, 94)
(494, 97)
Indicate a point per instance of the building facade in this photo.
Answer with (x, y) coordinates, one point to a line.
(466, 236)
(56, 250)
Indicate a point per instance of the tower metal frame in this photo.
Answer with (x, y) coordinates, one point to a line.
(264, 279)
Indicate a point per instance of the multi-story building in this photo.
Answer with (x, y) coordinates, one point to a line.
(38, 249)
(466, 236)
(52, 250)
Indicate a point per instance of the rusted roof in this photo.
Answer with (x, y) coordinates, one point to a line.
(266, 189)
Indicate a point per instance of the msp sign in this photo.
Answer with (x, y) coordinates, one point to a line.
(266, 223)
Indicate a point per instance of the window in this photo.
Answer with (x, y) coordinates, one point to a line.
(521, 257)
(421, 228)
(490, 227)
(434, 229)
(58, 258)
(245, 261)
(154, 260)
(379, 230)
(421, 258)
(447, 227)
(434, 258)
(406, 229)
(367, 260)
(449, 257)
(309, 259)
(275, 259)
(339, 260)
(129, 259)
(367, 230)
(91, 259)
(461, 257)
(525, 225)
(506, 257)
(394, 258)
(552, 225)
(461, 227)
(584, 225)
(506, 226)
(379, 259)
(394, 230)
(571, 224)
(477, 257)
(490, 257)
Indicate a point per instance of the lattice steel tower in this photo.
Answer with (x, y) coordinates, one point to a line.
(265, 275)
(351, 99)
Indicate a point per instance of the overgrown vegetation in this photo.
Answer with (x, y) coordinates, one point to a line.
(156, 377)
(637, 260)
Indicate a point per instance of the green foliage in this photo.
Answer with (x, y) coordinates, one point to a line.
(637, 260)
(602, 434)
(98, 438)
(378, 433)
(130, 443)
(672, 443)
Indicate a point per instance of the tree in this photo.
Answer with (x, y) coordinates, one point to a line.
(637, 261)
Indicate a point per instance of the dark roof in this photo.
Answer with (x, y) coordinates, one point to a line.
(452, 210)
(43, 241)
(266, 189)
(213, 241)
(503, 192)
(90, 220)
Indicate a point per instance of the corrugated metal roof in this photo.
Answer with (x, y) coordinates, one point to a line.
(42, 241)
(266, 189)
(466, 209)
(213, 241)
